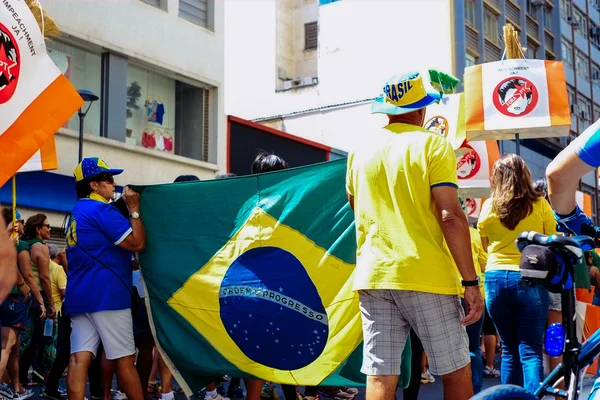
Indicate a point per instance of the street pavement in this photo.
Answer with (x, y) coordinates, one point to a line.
(432, 391)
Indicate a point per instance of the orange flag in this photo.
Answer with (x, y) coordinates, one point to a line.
(35, 98)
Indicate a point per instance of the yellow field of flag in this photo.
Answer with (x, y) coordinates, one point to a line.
(35, 98)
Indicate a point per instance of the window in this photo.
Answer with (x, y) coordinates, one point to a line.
(84, 71)
(491, 25)
(581, 19)
(596, 113)
(162, 4)
(565, 9)
(470, 12)
(571, 95)
(195, 11)
(311, 36)
(567, 52)
(166, 115)
(582, 64)
(594, 39)
(548, 18)
(584, 112)
(596, 76)
(470, 60)
(532, 50)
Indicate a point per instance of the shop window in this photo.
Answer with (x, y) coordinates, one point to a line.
(84, 71)
(166, 115)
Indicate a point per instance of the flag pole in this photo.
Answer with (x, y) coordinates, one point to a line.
(513, 50)
(14, 206)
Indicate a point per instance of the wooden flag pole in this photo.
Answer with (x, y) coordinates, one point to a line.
(15, 232)
(514, 50)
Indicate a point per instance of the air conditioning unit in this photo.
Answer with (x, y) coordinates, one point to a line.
(574, 23)
(537, 3)
(595, 32)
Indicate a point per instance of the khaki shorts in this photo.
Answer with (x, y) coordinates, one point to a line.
(388, 315)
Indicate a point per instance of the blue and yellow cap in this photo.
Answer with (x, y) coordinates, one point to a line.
(403, 94)
(93, 166)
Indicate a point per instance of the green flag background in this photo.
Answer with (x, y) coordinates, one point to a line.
(251, 276)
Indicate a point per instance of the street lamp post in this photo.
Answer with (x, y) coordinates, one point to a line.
(89, 98)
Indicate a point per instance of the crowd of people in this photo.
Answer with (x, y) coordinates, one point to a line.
(421, 272)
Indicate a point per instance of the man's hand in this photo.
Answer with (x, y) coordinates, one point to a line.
(132, 199)
(42, 310)
(51, 311)
(474, 305)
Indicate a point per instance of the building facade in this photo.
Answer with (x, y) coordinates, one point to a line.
(157, 68)
(317, 65)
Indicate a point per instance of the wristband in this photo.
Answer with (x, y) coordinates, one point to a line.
(470, 283)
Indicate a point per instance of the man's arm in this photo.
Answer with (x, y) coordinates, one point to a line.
(563, 175)
(456, 232)
(455, 228)
(41, 257)
(8, 264)
(136, 240)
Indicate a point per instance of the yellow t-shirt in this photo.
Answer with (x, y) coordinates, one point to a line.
(503, 253)
(479, 258)
(400, 244)
(58, 280)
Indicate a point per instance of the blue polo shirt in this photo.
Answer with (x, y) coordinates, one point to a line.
(99, 277)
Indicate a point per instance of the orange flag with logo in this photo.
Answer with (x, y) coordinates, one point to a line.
(35, 98)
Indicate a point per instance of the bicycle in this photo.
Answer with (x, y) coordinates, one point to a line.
(555, 272)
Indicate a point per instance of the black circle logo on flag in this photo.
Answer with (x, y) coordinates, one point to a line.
(437, 124)
(272, 310)
(515, 96)
(9, 64)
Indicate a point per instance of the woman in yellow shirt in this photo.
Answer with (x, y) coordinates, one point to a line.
(518, 310)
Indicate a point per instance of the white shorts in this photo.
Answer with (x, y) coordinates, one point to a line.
(113, 328)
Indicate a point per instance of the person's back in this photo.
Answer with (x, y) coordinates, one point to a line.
(397, 229)
(502, 252)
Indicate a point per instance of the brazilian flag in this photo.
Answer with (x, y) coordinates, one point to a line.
(252, 277)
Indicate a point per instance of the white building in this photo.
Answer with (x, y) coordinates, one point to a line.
(312, 67)
(157, 66)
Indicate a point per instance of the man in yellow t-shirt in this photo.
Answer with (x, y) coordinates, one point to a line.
(410, 230)
(58, 277)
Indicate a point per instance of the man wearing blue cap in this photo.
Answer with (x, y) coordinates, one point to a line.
(100, 241)
(411, 236)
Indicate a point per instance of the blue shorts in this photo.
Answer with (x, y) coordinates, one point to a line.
(14, 311)
(588, 145)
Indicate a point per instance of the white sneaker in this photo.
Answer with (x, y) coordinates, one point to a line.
(426, 378)
(118, 395)
(22, 396)
(219, 397)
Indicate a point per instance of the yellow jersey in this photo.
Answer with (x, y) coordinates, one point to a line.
(503, 253)
(58, 281)
(400, 244)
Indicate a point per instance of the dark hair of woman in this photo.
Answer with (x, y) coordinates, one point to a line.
(33, 222)
(186, 178)
(541, 186)
(513, 194)
(266, 162)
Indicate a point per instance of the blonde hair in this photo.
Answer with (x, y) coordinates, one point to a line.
(513, 194)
